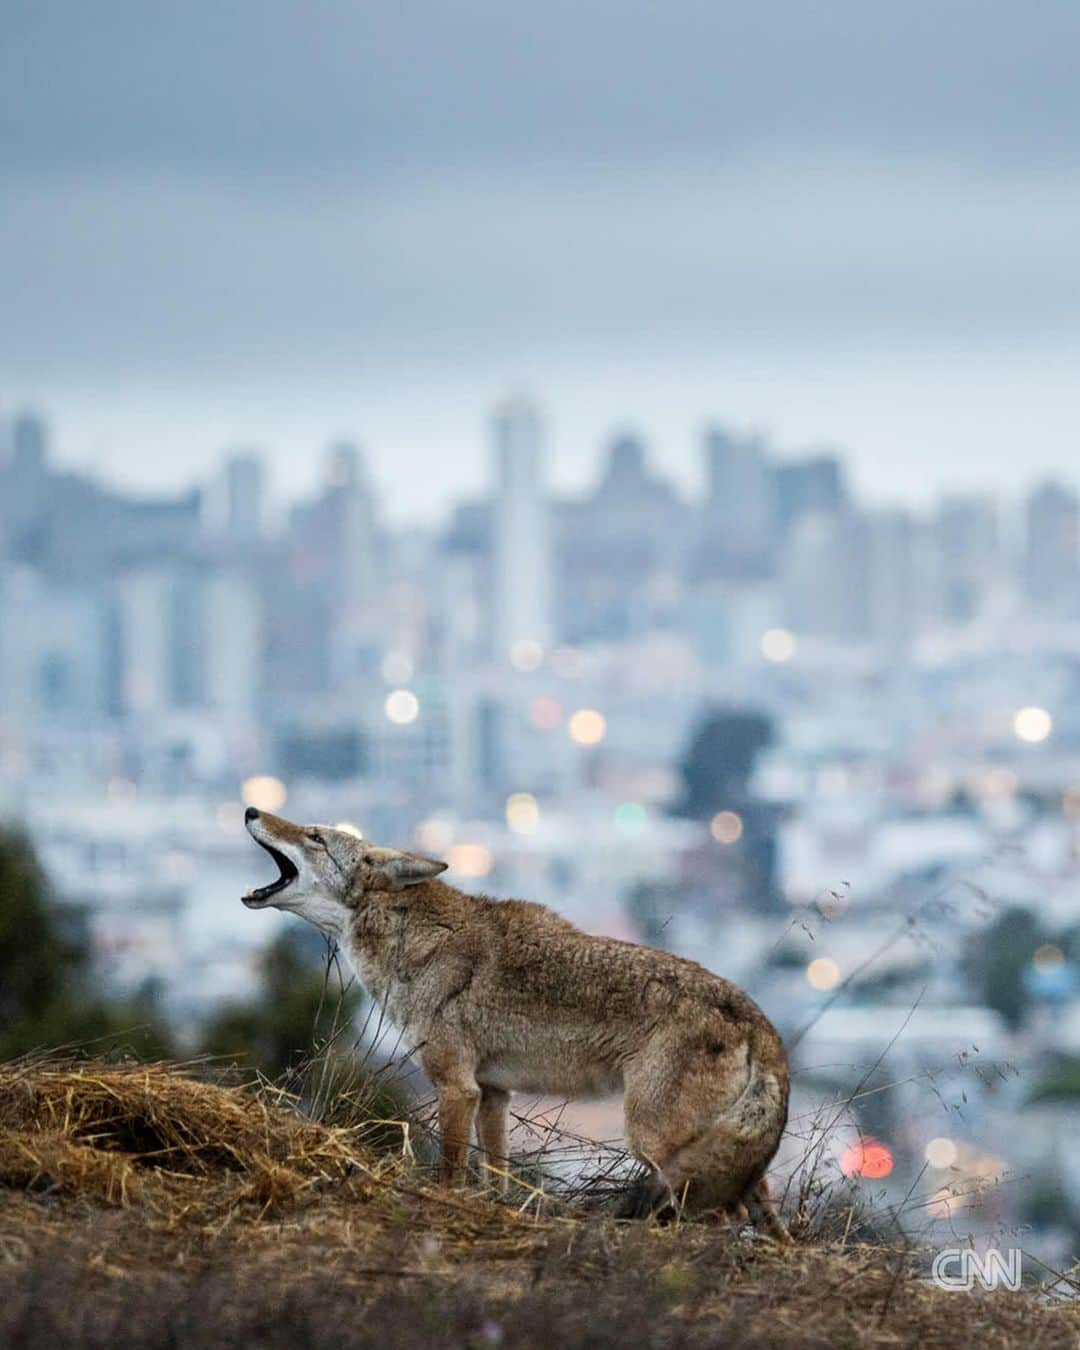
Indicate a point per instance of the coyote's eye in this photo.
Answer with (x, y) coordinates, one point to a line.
(314, 836)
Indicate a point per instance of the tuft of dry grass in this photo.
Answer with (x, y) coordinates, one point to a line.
(152, 1133)
(146, 1206)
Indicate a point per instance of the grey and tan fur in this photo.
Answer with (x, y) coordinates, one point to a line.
(504, 996)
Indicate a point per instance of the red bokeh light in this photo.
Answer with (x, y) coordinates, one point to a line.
(866, 1157)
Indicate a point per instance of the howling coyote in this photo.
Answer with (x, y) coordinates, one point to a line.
(504, 995)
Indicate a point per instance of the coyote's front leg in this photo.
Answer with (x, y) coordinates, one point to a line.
(458, 1095)
(457, 1111)
(491, 1136)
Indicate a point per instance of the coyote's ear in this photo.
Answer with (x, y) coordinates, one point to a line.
(399, 870)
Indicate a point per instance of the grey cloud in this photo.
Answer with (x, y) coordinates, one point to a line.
(228, 219)
(433, 270)
(259, 86)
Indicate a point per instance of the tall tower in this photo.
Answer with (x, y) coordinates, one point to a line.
(892, 595)
(244, 484)
(816, 484)
(738, 497)
(350, 547)
(522, 555)
(1052, 549)
(27, 474)
(965, 557)
(353, 525)
(824, 576)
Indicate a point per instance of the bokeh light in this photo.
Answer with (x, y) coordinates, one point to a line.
(1048, 957)
(402, 707)
(726, 827)
(470, 860)
(778, 645)
(823, 973)
(526, 655)
(630, 817)
(522, 812)
(435, 835)
(867, 1157)
(941, 1152)
(1032, 725)
(834, 904)
(587, 726)
(264, 792)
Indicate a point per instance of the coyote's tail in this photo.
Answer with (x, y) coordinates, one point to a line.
(758, 1115)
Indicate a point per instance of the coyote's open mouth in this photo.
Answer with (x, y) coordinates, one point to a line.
(286, 868)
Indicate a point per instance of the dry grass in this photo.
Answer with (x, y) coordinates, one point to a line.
(153, 1134)
(141, 1206)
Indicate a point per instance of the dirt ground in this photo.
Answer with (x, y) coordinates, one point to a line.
(143, 1207)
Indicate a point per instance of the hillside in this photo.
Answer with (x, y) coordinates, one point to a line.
(140, 1206)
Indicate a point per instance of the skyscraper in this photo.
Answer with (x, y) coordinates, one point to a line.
(353, 519)
(965, 558)
(1052, 549)
(893, 599)
(230, 641)
(244, 497)
(148, 608)
(620, 552)
(350, 521)
(825, 568)
(26, 489)
(522, 579)
(738, 501)
(806, 485)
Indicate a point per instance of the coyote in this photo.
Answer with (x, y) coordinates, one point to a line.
(504, 995)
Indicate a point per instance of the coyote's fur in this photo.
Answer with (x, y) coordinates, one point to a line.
(505, 995)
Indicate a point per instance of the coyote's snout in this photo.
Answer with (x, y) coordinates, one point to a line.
(504, 995)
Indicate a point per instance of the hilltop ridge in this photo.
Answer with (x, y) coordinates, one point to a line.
(143, 1206)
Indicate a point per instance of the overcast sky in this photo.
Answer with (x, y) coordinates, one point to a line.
(249, 222)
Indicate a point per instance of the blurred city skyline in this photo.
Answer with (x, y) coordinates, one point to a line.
(413, 492)
(284, 487)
